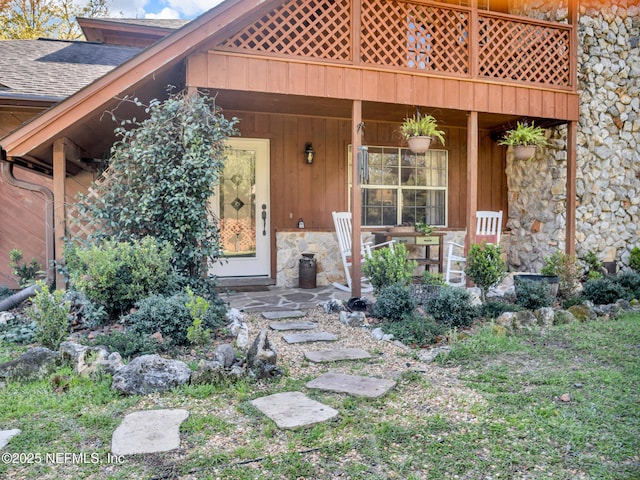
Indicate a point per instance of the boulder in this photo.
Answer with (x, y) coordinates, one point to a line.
(261, 357)
(353, 319)
(150, 373)
(208, 372)
(85, 360)
(225, 355)
(34, 364)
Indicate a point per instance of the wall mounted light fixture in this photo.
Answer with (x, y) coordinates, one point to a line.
(309, 153)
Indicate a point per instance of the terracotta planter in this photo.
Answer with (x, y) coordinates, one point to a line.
(419, 144)
(524, 152)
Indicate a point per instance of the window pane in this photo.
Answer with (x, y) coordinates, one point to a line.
(379, 206)
(424, 206)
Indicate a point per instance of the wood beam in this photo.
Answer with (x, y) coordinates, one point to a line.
(356, 231)
(472, 179)
(572, 136)
(59, 192)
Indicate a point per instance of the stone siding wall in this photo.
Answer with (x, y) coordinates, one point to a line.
(608, 150)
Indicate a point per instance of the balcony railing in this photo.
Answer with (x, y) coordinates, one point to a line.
(425, 37)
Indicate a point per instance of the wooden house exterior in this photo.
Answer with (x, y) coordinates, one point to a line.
(338, 75)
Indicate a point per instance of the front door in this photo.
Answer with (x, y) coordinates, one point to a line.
(241, 204)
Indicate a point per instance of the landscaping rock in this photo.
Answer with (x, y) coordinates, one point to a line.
(563, 317)
(378, 334)
(582, 313)
(34, 364)
(239, 329)
(545, 316)
(150, 373)
(85, 360)
(262, 357)
(353, 319)
(332, 306)
(225, 354)
(6, 317)
(429, 355)
(208, 372)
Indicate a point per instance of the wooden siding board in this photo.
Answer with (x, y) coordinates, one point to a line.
(370, 85)
(522, 101)
(403, 89)
(335, 86)
(316, 84)
(257, 75)
(277, 77)
(237, 73)
(548, 104)
(296, 78)
(386, 87)
(353, 84)
(509, 102)
(535, 103)
(217, 72)
(466, 97)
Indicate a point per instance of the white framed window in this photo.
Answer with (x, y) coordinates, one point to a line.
(399, 186)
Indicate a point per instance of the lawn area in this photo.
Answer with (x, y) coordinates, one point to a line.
(561, 404)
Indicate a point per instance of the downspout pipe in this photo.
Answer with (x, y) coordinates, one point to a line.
(6, 171)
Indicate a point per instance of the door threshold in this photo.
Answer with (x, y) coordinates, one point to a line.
(244, 281)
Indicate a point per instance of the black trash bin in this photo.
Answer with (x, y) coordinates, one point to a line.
(307, 271)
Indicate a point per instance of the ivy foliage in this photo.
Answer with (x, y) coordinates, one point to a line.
(163, 172)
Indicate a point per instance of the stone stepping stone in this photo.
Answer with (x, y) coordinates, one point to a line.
(283, 314)
(6, 435)
(370, 387)
(148, 431)
(283, 326)
(321, 356)
(310, 337)
(291, 410)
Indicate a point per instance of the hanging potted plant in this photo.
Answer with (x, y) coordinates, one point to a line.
(419, 130)
(525, 140)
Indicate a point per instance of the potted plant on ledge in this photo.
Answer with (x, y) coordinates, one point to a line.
(419, 130)
(525, 140)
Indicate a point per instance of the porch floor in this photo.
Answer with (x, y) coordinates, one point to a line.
(269, 298)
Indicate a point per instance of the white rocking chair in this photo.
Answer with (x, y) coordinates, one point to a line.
(342, 222)
(488, 229)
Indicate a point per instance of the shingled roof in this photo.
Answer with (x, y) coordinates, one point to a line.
(55, 69)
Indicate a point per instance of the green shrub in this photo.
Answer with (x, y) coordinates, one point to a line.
(170, 316)
(50, 312)
(532, 295)
(387, 266)
(493, 309)
(592, 266)
(485, 266)
(198, 308)
(434, 279)
(394, 302)
(604, 291)
(565, 267)
(84, 312)
(16, 330)
(414, 329)
(634, 259)
(630, 281)
(128, 343)
(452, 307)
(27, 273)
(117, 274)
(163, 171)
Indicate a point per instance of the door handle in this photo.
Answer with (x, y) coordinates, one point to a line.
(264, 219)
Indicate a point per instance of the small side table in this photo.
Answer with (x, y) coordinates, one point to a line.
(434, 239)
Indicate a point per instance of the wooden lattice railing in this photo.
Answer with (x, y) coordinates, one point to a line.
(79, 227)
(416, 36)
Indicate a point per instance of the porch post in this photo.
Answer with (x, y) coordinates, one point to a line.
(472, 179)
(356, 234)
(572, 133)
(59, 192)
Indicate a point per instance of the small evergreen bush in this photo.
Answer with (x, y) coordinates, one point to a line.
(593, 267)
(128, 343)
(84, 312)
(387, 266)
(485, 267)
(170, 316)
(394, 302)
(565, 267)
(117, 274)
(534, 295)
(452, 308)
(634, 259)
(493, 309)
(198, 307)
(630, 281)
(414, 329)
(50, 312)
(603, 291)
